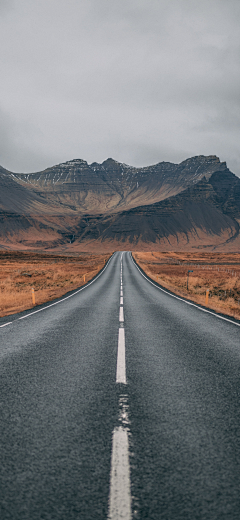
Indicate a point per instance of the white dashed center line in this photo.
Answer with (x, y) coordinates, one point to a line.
(120, 496)
(121, 317)
(121, 365)
(120, 484)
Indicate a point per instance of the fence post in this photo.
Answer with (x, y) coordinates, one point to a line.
(206, 299)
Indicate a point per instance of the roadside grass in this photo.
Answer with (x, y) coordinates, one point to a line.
(217, 272)
(50, 277)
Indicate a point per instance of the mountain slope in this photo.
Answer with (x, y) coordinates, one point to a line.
(197, 215)
(76, 206)
(76, 186)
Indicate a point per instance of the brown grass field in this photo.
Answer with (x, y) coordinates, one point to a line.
(217, 272)
(50, 276)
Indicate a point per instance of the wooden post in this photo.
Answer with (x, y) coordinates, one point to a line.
(33, 296)
(84, 278)
(206, 299)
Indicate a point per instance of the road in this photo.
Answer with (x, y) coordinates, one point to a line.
(120, 401)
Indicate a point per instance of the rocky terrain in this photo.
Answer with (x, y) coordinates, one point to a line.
(75, 206)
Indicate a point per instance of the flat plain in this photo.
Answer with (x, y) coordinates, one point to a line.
(51, 276)
(217, 272)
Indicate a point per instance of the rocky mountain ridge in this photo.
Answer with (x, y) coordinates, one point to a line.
(109, 186)
(111, 205)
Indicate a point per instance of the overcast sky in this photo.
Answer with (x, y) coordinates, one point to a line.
(141, 81)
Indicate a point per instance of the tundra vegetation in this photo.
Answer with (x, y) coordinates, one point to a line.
(50, 276)
(217, 272)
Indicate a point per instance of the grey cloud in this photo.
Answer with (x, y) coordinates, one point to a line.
(6, 5)
(17, 151)
(139, 80)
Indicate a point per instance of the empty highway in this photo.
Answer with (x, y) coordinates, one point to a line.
(119, 401)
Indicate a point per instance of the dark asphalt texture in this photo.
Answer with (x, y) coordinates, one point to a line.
(59, 405)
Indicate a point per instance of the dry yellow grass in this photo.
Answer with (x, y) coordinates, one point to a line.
(50, 276)
(217, 272)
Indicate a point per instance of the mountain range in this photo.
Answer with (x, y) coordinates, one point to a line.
(76, 206)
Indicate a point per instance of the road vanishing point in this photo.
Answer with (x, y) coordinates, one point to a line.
(119, 401)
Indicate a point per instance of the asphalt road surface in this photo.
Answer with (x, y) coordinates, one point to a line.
(119, 402)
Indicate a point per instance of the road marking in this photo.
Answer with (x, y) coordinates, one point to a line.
(185, 301)
(66, 298)
(120, 496)
(5, 324)
(120, 487)
(121, 317)
(121, 364)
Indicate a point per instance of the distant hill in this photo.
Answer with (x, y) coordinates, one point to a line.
(75, 206)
